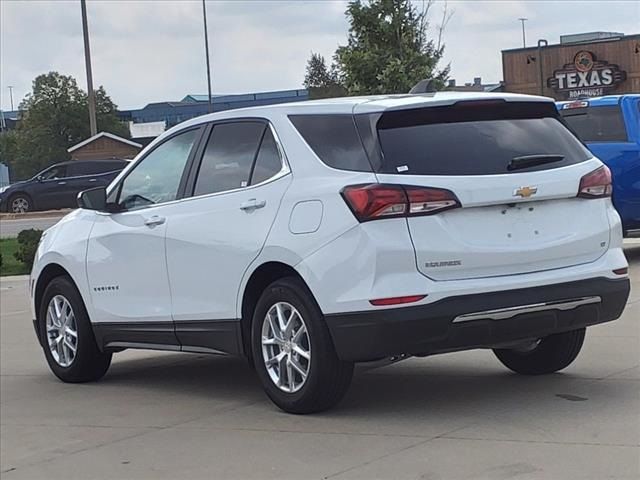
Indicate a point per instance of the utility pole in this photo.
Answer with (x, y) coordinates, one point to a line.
(524, 40)
(87, 60)
(206, 49)
(10, 87)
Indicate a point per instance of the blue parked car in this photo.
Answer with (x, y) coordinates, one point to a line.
(610, 127)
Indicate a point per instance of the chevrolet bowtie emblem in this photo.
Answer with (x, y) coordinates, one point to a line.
(525, 192)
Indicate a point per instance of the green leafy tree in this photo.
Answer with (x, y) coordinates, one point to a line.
(8, 146)
(321, 81)
(389, 49)
(54, 116)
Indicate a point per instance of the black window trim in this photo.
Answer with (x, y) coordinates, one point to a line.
(183, 180)
(194, 168)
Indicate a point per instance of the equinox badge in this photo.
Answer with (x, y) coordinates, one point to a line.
(525, 192)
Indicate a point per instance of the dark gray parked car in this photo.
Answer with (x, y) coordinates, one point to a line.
(59, 185)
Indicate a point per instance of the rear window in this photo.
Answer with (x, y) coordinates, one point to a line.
(597, 124)
(95, 167)
(334, 139)
(474, 138)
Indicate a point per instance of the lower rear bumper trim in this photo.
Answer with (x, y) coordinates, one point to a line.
(482, 320)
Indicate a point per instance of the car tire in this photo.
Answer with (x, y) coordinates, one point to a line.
(87, 363)
(19, 203)
(327, 377)
(550, 354)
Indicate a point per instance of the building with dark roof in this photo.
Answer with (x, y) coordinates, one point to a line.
(194, 105)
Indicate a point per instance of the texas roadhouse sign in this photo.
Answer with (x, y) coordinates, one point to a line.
(586, 76)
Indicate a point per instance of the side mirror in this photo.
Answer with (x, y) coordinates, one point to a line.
(93, 199)
(40, 178)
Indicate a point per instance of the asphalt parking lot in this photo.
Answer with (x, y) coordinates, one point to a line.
(10, 227)
(456, 416)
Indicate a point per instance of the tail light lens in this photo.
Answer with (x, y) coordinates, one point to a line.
(596, 184)
(374, 201)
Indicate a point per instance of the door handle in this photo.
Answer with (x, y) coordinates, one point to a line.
(93, 180)
(252, 204)
(62, 183)
(154, 220)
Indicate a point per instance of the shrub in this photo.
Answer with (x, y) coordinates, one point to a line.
(27, 245)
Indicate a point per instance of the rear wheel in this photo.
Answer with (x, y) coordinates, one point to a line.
(67, 337)
(293, 352)
(546, 355)
(20, 203)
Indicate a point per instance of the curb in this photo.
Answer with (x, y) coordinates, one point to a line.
(46, 214)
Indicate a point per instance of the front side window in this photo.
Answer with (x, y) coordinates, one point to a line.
(54, 173)
(157, 177)
(228, 157)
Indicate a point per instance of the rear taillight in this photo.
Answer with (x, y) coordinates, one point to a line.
(374, 201)
(596, 184)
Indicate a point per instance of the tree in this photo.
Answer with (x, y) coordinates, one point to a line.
(389, 49)
(54, 116)
(319, 80)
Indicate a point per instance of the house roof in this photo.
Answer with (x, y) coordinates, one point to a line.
(100, 135)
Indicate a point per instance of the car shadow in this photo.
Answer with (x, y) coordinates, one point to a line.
(445, 389)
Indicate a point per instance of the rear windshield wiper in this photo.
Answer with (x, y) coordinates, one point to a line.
(527, 161)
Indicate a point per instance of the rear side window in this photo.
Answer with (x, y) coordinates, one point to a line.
(334, 139)
(228, 157)
(597, 124)
(474, 138)
(95, 167)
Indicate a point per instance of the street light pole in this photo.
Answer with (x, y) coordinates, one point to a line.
(87, 60)
(10, 87)
(206, 49)
(524, 40)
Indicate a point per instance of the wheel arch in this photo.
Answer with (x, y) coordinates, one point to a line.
(19, 193)
(259, 279)
(48, 273)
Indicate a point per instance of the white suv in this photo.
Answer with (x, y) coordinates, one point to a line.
(310, 236)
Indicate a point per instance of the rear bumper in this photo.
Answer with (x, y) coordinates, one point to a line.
(465, 322)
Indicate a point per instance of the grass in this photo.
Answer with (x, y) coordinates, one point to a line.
(11, 266)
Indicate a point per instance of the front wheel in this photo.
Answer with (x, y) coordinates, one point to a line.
(293, 352)
(67, 336)
(20, 203)
(546, 355)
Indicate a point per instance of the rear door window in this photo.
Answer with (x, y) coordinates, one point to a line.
(228, 157)
(474, 138)
(597, 124)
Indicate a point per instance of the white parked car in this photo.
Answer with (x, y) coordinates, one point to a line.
(310, 236)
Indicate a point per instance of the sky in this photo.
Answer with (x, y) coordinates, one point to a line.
(153, 50)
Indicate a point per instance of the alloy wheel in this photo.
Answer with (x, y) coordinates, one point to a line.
(62, 332)
(20, 205)
(286, 347)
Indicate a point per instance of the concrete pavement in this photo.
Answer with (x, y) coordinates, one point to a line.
(455, 416)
